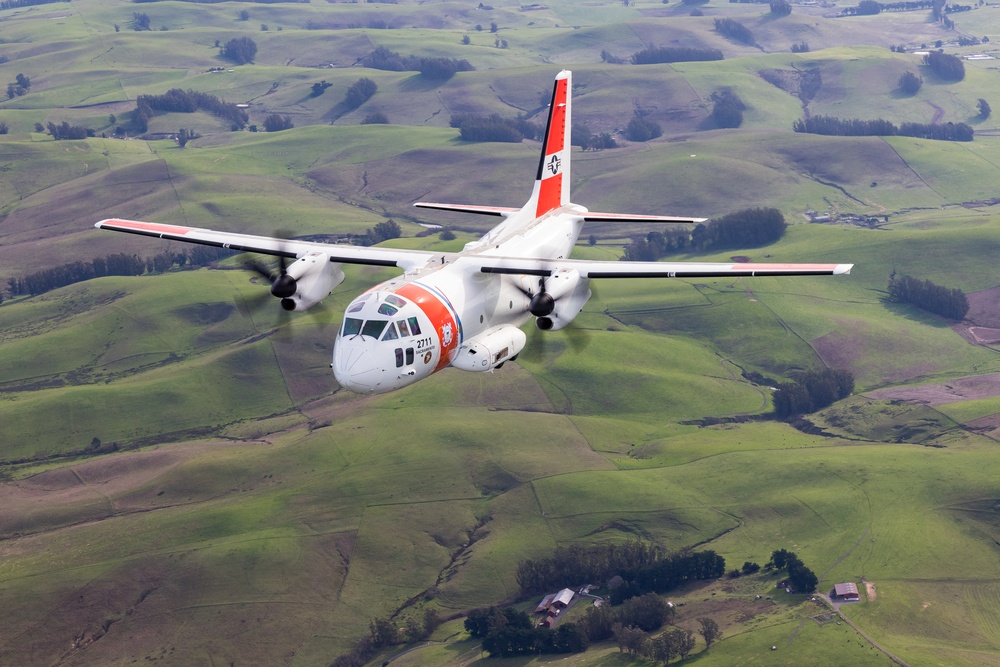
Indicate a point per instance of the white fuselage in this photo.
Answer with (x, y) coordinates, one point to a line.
(409, 327)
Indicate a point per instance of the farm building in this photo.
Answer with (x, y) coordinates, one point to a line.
(555, 602)
(848, 591)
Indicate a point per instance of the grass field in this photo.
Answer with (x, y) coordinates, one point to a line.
(181, 480)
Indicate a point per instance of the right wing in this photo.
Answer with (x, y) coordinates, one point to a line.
(533, 266)
(345, 254)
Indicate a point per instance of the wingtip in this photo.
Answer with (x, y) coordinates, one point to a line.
(843, 269)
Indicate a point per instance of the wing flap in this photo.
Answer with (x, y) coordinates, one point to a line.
(627, 217)
(612, 269)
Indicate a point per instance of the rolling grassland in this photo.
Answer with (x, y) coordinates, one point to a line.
(181, 481)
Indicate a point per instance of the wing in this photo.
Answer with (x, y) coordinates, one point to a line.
(504, 211)
(346, 254)
(591, 216)
(611, 269)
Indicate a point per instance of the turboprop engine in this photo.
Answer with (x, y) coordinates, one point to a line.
(490, 349)
(307, 281)
(563, 296)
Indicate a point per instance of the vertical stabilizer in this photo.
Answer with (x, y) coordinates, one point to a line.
(552, 182)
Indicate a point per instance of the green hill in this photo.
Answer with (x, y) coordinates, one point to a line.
(182, 481)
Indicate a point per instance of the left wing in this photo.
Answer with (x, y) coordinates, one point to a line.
(612, 269)
(346, 254)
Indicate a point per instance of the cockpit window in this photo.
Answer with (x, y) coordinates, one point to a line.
(414, 326)
(373, 328)
(356, 307)
(403, 329)
(352, 326)
(395, 300)
(386, 309)
(390, 332)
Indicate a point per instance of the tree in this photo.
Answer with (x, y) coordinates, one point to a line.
(4, 128)
(493, 26)
(727, 109)
(140, 21)
(276, 123)
(360, 92)
(709, 630)
(910, 83)
(781, 7)
(945, 65)
(319, 88)
(466, 40)
(23, 81)
(869, 8)
(383, 632)
(241, 50)
(375, 118)
(244, 15)
(984, 108)
(642, 129)
(630, 640)
(184, 136)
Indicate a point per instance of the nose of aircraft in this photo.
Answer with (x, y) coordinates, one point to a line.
(355, 368)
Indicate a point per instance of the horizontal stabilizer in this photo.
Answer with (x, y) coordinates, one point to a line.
(504, 211)
(627, 217)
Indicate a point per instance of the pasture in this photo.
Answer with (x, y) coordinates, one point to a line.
(182, 481)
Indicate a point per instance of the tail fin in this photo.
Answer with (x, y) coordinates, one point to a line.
(552, 182)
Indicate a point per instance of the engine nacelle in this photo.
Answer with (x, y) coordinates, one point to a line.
(315, 277)
(571, 292)
(490, 349)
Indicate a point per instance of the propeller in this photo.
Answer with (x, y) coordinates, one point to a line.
(283, 286)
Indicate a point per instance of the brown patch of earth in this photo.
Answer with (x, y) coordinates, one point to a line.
(982, 323)
(870, 590)
(962, 389)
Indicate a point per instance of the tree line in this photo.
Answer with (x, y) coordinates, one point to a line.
(879, 127)
(812, 391)
(17, 4)
(735, 31)
(494, 127)
(669, 54)
(189, 101)
(749, 228)
(436, 68)
(385, 631)
(118, 264)
(945, 65)
(950, 303)
(643, 568)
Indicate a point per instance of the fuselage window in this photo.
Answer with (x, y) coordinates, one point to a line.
(409, 356)
(390, 332)
(352, 326)
(386, 309)
(399, 357)
(395, 300)
(373, 328)
(403, 329)
(414, 326)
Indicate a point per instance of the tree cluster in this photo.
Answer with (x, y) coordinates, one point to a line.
(66, 131)
(319, 88)
(748, 228)
(382, 231)
(19, 87)
(436, 68)
(984, 108)
(241, 50)
(812, 391)
(509, 632)
(643, 568)
(277, 123)
(641, 128)
(375, 118)
(945, 65)
(800, 47)
(360, 92)
(736, 31)
(800, 578)
(950, 303)
(473, 127)
(727, 109)
(672, 54)
(179, 101)
(780, 7)
(669, 645)
(910, 83)
(879, 127)
(581, 136)
(140, 21)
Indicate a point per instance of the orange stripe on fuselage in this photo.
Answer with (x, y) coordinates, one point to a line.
(440, 316)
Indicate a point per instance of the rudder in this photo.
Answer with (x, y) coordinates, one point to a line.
(552, 182)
